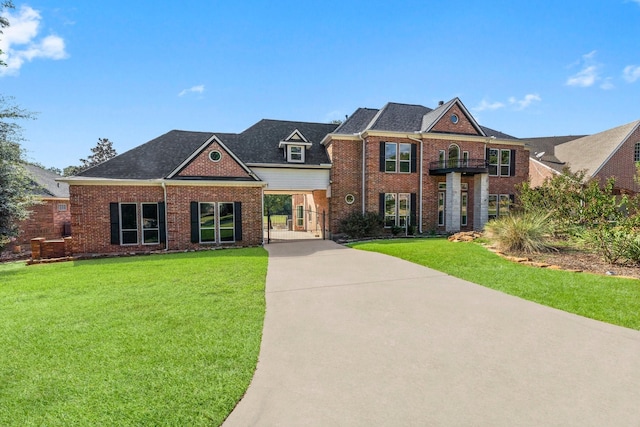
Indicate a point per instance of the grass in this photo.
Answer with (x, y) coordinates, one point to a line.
(609, 299)
(156, 340)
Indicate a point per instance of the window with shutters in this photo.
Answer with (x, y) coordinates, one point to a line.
(215, 222)
(135, 223)
(150, 224)
(128, 223)
(398, 157)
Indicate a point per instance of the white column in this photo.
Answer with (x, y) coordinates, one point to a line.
(480, 200)
(452, 203)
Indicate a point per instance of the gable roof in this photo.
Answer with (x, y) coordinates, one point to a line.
(591, 152)
(546, 146)
(44, 184)
(396, 117)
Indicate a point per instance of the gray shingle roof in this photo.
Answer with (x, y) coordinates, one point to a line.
(397, 117)
(547, 145)
(152, 160)
(44, 183)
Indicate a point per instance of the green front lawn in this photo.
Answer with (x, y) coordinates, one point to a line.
(609, 299)
(148, 340)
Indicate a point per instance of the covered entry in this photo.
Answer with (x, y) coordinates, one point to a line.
(296, 216)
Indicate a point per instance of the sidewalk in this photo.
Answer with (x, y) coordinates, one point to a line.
(354, 338)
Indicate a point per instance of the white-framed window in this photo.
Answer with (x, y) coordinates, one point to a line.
(299, 216)
(441, 200)
(397, 157)
(217, 222)
(636, 152)
(499, 205)
(465, 158)
(454, 156)
(295, 153)
(150, 224)
(62, 207)
(442, 158)
(397, 208)
(207, 215)
(226, 222)
(128, 223)
(499, 162)
(464, 203)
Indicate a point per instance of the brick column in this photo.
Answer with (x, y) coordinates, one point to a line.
(36, 247)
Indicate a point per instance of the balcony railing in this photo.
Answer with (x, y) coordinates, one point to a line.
(463, 166)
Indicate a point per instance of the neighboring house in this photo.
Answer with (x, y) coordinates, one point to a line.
(612, 153)
(428, 170)
(50, 217)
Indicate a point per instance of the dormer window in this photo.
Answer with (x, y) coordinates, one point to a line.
(294, 147)
(295, 153)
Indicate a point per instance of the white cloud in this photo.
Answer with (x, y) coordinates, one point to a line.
(589, 73)
(20, 44)
(486, 105)
(523, 103)
(193, 89)
(631, 73)
(607, 84)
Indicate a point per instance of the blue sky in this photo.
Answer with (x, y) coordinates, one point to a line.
(131, 71)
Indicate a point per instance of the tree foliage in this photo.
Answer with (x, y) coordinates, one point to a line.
(4, 22)
(102, 152)
(277, 204)
(15, 184)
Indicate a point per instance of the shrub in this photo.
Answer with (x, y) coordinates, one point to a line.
(526, 232)
(613, 244)
(357, 225)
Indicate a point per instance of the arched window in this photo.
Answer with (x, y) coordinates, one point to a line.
(454, 156)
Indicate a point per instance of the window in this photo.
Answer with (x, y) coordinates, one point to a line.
(499, 205)
(636, 152)
(128, 223)
(207, 215)
(442, 158)
(390, 156)
(397, 209)
(62, 207)
(500, 162)
(441, 198)
(398, 157)
(150, 224)
(454, 155)
(464, 202)
(299, 216)
(295, 153)
(405, 158)
(226, 214)
(465, 158)
(215, 156)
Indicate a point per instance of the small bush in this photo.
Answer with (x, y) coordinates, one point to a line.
(613, 244)
(526, 232)
(357, 225)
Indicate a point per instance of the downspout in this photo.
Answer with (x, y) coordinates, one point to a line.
(364, 165)
(262, 217)
(166, 219)
(420, 185)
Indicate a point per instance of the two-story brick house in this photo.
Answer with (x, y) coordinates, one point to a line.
(437, 170)
(430, 170)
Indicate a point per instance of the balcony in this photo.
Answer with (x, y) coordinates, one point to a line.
(462, 166)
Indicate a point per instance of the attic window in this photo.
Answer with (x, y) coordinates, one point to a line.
(215, 156)
(454, 119)
(295, 153)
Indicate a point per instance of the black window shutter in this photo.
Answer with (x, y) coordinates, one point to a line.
(381, 207)
(414, 210)
(114, 216)
(195, 223)
(487, 155)
(237, 216)
(162, 225)
(513, 163)
(414, 157)
(382, 167)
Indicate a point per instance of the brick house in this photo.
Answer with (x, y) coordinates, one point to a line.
(612, 153)
(436, 170)
(50, 217)
(429, 170)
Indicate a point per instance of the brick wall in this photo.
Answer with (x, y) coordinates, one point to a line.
(463, 126)
(202, 165)
(621, 165)
(538, 173)
(346, 178)
(90, 220)
(44, 221)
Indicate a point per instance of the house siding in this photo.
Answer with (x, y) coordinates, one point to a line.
(293, 179)
(621, 165)
(91, 219)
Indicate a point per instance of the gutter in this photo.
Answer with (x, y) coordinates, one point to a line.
(420, 184)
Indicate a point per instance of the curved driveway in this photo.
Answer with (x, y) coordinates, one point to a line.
(354, 338)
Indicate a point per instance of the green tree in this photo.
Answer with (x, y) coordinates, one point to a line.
(15, 184)
(102, 152)
(4, 22)
(277, 204)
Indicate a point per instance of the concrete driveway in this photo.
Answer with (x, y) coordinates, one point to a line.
(353, 338)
